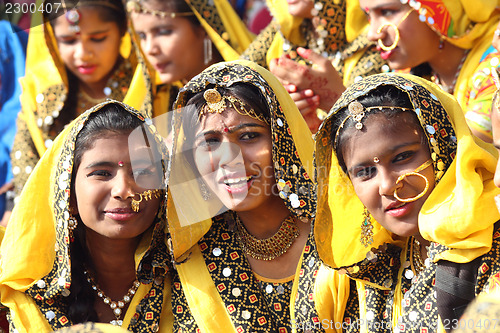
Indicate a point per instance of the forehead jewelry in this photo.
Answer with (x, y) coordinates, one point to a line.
(73, 18)
(120, 163)
(136, 6)
(146, 195)
(376, 159)
(216, 103)
(357, 112)
(396, 32)
(414, 173)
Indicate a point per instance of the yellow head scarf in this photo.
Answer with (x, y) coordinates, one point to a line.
(35, 274)
(457, 214)
(466, 24)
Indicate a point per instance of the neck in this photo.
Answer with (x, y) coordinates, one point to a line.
(446, 65)
(263, 223)
(114, 263)
(96, 89)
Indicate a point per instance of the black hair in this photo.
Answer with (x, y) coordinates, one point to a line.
(115, 12)
(174, 6)
(112, 118)
(382, 96)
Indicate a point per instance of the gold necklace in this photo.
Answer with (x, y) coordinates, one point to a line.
(116, 306)
(416, 259)
(268, 248)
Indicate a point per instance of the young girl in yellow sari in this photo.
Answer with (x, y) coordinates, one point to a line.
(451, 40)
(78, 55)
(86, 240)
(404, 206)
(241, 204)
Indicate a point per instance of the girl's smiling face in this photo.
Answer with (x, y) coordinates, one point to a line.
(107, 180)
(233, 154)
(376, 156)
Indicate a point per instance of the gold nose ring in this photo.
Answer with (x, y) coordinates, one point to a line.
(414, 173)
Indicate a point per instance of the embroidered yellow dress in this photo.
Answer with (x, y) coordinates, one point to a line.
(216, 289)
(458, 218)
(35, 276)
(341, 38)
(46, 96)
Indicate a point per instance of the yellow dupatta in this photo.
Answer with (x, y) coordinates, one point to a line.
(457, 214)
(226, 30)
(35, 269)
(466, 24)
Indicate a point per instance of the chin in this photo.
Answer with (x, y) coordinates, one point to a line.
(167, 78)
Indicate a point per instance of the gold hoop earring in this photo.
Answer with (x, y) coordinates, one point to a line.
(414, 173)
(396, 37)
(366, 229)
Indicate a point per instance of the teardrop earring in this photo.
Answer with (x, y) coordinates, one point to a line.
(207, 50)
(366, 229)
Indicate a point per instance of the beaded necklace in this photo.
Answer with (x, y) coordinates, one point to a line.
(116, 306)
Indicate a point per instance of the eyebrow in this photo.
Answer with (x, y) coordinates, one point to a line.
(90, 33)
(100, 164)
(231, 130)
(390, 151)
(382, 5)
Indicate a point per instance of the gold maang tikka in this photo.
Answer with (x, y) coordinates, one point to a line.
(146, 195)
(216, 103)
(357, 112)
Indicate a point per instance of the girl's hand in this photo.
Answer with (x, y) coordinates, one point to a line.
(322, 78)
